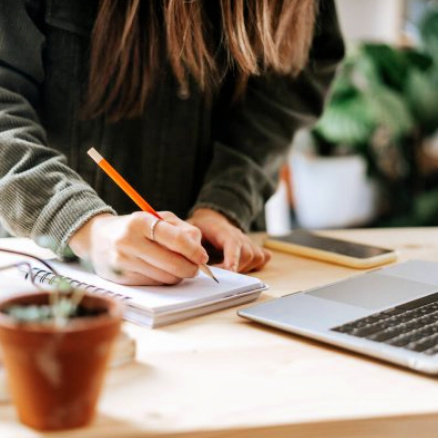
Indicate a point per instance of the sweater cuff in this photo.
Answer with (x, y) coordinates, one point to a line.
(66, 213)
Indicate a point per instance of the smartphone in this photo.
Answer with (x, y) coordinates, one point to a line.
(342, 252)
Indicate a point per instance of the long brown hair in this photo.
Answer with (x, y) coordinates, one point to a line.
(132, 39)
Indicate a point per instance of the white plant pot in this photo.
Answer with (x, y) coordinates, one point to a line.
(332, 192)
(277, 212)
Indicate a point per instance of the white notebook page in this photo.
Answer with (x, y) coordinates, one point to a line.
(189, 292)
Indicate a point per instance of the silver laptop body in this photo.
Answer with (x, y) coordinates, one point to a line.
(347, 313)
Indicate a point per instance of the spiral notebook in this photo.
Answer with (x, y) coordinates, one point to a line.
(159, 305)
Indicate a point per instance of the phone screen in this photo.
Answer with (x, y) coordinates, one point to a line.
(343, 247)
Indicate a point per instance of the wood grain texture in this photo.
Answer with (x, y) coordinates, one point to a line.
(222, 376)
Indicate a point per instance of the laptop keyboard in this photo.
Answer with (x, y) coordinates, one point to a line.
(412, 326)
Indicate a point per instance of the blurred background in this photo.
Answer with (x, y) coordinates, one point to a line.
(372, 159)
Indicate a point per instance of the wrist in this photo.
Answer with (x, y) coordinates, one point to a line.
(80, 242)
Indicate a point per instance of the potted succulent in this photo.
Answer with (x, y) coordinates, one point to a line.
(382, 109)
(55, 346)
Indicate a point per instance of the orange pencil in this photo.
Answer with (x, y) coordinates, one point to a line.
(133, 194)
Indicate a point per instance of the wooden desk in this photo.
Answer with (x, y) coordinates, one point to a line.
(221, 376)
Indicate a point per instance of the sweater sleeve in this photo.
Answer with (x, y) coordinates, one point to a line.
(254, 136)
(39, 194)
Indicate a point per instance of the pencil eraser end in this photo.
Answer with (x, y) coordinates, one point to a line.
(95, 155)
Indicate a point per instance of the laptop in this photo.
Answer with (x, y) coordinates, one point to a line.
(390, 313)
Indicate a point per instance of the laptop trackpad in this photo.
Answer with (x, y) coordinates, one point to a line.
(374, 291)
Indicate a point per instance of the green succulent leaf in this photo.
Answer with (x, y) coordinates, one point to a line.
(390, 63)
(348, 122)
(429, 32)
(418, 60)
(422, 96)
(390, 111)
(364, 72)
(342, 88)
(63, 309)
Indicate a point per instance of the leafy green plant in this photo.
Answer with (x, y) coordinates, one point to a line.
(379, 88)
(384, 103)
(64, 306)
(429, 32)
(57, 313)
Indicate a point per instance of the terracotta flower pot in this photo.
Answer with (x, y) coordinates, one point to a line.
(55, 374)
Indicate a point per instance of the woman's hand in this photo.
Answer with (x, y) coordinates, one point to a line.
(122, 249)
(241, 254)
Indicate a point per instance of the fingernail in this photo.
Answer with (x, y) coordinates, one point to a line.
(205, 258)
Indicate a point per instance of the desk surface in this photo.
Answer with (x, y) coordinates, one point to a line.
(222, 376)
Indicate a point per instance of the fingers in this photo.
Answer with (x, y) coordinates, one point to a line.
(178, 236)
(173, 263)
(132, 271)
(169, 252)
(242, 255)
(232, 253)
(267, 254)
(193, 232)
(252, 258)
(240, 252)
(122, 250)
(145, 262)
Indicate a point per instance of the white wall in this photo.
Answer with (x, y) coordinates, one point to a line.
(379, 20)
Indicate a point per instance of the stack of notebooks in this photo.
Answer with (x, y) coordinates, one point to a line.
(159, 305)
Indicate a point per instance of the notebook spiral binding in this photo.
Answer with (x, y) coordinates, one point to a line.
(47, 277)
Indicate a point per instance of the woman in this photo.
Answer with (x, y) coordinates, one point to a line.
(194, 102)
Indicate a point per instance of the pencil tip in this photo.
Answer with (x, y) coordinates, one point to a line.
(207, 271)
